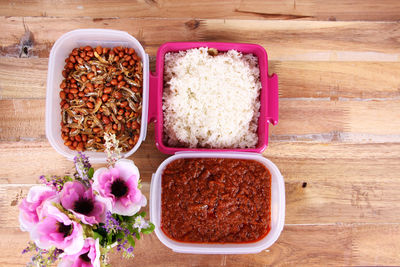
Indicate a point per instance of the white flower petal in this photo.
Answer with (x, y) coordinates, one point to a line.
(126, 211)
(77, 243)
(35, 237)
(96, 262)
(143, 201)
(127, 168)
(36, 192)
(24, 225)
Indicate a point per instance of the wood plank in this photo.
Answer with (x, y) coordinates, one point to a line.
(300, 245)
(298, 161)
(245, 9)
(23, 77)
(337, 80)
(129, 9)
(35, 157)
(337, 121)
(310, 40)
(283, 40)
(328, 151)
(324, 183)
(359, 121)
(26, 78)
(325, 10)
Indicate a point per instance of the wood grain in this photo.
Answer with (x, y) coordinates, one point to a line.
(35, 157)
(309, 40)
(337, 143)
(244, 9)
(349, 244)
(283, 40)
(338, 121)
(337, 80)
(325, 10)
(23, 77)
(298, 161)
(342, 182)
(26, 78)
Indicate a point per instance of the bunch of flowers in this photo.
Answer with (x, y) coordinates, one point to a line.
(76, 220)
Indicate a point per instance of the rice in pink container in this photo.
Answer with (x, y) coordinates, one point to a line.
(268, 96)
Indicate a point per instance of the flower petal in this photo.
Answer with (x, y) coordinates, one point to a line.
(127, 168)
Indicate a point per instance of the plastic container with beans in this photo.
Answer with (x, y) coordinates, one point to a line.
(101, 92)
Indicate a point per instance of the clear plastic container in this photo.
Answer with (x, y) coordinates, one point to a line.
(61, 49)
(277, 208)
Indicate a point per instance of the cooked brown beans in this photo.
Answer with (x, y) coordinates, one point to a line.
(98, 83)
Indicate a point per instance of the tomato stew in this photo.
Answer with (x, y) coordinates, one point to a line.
(215, 200)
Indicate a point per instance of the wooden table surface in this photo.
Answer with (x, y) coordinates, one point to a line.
(337, 143)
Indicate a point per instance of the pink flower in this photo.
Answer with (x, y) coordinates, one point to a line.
(89, 256)
(120, 186)
(31, 207)
(90, 209)
(57, 229)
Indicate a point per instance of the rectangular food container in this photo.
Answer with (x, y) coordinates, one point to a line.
(268, 94)
(60, 50)
(152, 88)
(277, 208)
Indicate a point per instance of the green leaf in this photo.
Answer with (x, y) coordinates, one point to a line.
(90, 173)
(97, 235)
(67, 178)
(103, 233)
(130, 228)
(120, 218)
(128, 219)
(131, 240)
(120, 235)
(148, 230)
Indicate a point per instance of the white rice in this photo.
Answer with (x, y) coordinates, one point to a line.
(211, 101)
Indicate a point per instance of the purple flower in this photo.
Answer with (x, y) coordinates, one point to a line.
(112, 224)
(56, 229)
(90, 209)
(87, 257)
(120, 186)
(31, 207)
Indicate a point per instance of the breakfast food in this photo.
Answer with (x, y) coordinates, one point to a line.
(101, 92)
(211, 99)
(215, 200)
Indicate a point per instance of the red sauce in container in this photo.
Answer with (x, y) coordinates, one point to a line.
(215, 200)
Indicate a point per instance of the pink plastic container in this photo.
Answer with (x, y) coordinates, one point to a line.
(268, 96)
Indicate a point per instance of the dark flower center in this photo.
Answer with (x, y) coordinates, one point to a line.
(119, 188)
(65, 229)
(83, 206)
(85, 257)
